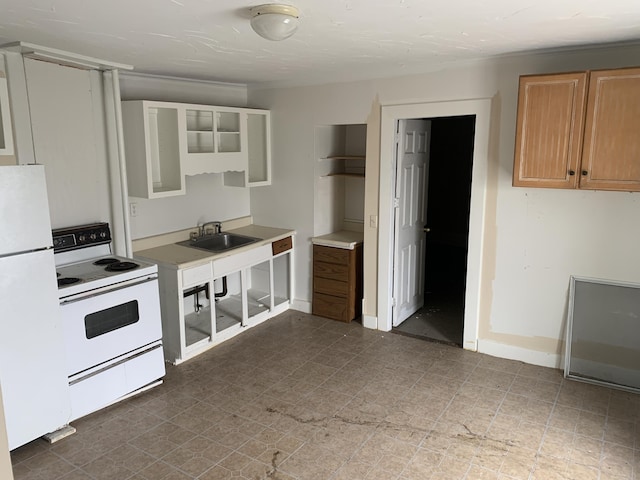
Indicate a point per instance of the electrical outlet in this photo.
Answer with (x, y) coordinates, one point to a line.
(133, 209)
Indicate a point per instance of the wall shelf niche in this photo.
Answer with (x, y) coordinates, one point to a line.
(345, 166)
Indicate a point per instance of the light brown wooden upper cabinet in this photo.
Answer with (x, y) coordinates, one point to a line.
(579, 130)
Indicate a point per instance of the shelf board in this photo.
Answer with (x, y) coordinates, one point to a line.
(346, 157)
(228, 312)
(198, 327)
(257, 302)
(353, 175)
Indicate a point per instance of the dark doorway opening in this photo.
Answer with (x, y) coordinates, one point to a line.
(448, 205)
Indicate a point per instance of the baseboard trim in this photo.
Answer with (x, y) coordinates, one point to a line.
(533, 357)
(301, 306)
(370, 321)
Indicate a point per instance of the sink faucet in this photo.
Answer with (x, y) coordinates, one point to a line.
(216, 225)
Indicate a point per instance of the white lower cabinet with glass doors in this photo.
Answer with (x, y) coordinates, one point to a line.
(215, 301)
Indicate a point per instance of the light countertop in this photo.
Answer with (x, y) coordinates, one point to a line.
(341, 239)
(179, 256)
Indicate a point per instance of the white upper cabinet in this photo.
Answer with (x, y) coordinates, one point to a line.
(166, 141)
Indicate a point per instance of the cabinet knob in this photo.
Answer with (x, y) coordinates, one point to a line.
(572, 172)
(584, 172)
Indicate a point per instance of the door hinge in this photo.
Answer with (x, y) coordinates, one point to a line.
(397, 138)
(396, 202)
(394, 303)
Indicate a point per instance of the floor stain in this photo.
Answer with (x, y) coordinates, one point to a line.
(493, 444)
(273, 473)
(378, 424)
(470, 435)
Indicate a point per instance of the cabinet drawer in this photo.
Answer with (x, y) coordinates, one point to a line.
(283, 245)
(330, 254)
(330, 307)
(331, 270)
(196, 275)
(330, 287)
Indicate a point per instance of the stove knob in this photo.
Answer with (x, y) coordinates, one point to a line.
(82, 238)
(103, 234)
(93, 236)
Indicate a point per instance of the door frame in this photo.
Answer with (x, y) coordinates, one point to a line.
(390, 114)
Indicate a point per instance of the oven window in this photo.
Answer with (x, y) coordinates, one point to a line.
(111, 319)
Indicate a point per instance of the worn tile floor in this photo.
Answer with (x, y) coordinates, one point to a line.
(306, 398)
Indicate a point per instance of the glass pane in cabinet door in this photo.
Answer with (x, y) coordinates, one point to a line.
(229, 142)
(2, 142)
(200, 132)
(258, 155)
(229, 122)
(166, 175)
(228, 129)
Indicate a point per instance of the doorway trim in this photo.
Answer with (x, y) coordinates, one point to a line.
(390, 114)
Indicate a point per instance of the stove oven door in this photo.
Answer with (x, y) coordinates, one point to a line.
(107, 324)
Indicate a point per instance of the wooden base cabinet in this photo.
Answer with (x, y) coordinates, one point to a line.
(579, 130)
(337, 282)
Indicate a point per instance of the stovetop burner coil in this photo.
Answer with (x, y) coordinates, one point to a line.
(106, 261)
(121, 266)
(67, 281)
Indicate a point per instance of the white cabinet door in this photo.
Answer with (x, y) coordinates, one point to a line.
(258, 171)
(152, 144)
(6, 131)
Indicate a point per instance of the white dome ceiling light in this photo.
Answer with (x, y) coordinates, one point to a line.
(274, 21)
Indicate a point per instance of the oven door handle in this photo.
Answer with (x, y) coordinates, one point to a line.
(107, 289)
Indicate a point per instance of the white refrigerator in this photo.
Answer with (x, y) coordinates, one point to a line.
(33, 379)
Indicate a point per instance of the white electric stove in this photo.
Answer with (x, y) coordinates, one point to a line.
(110, 311)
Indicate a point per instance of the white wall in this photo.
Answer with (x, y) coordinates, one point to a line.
(206, 198)
(534, 239)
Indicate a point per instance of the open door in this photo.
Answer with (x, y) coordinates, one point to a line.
(412, 171)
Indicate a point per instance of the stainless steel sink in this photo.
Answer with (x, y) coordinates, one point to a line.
(219, 242)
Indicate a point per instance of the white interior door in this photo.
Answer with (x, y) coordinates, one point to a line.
(412, 171)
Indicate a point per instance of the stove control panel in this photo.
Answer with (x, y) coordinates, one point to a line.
(72, 238)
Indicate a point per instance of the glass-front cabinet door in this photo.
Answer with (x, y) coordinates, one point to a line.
(6, 133)
(258, 133)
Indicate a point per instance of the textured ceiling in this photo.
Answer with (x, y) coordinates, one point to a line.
(338, 40)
